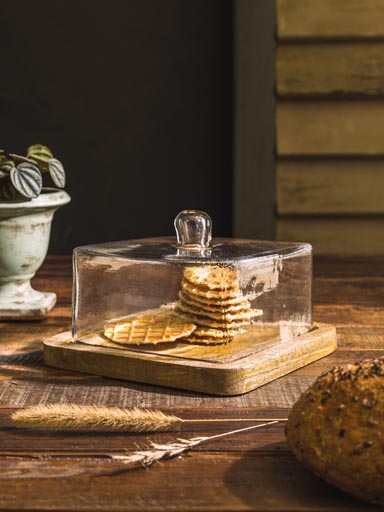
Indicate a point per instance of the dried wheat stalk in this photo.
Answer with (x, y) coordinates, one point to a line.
(106, 418)
(93, 417)
(159, 452)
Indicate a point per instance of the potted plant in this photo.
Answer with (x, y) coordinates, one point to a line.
(26, 211)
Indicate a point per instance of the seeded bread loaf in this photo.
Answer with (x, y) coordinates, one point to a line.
(336, 429)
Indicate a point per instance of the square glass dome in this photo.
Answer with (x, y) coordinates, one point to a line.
(191, 289)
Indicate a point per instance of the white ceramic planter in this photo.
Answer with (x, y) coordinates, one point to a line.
(24, 236)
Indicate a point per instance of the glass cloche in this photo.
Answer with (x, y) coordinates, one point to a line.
(191, 289)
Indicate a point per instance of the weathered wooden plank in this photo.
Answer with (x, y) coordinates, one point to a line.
(330, 128)
(335, 235)
(367, 338)
(336, 267)
(330, 69)
(330, 18)
(339, 358)
(23, 337)
(330, 186)
(348, 292)
(224, 482)
(281, 393)
(347, 315)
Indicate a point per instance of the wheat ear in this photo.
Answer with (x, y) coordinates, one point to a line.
(159, 452)
(93, 417)
(106, 418)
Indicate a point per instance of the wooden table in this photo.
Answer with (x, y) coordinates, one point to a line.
(250, 471)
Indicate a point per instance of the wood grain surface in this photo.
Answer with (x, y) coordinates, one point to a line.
(338, 235)
(251, 471)
(338, 19)
(330, 69)
(330, 186)
(337, 128)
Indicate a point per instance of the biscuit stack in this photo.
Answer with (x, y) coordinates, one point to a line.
(211, 298)
(211, 309)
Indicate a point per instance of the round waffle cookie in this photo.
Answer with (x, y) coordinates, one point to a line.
(210, 336)
(212, 277)
(151, 328)
(205, 340)
(209, 332)
(237, 304)
(223, 315)
(207, 293)
(205, 321)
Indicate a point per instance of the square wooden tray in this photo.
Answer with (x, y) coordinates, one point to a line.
(238, 367)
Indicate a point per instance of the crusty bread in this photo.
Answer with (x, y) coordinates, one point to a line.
(336, 428)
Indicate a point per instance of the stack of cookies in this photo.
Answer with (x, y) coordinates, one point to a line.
(211, 309)
(211, 298)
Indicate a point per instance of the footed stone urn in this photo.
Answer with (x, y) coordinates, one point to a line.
(24, 237)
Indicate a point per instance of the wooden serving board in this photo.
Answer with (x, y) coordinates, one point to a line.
(249, 361)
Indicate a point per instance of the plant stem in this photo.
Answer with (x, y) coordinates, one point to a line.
(232, 420)
(237, 431)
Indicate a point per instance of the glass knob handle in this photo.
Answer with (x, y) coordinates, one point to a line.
(193, 229)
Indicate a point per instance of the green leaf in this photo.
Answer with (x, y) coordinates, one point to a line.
(56, 170)
(3, 159)
(40, 150)
(40, 155)
(19, 158)
(9, 193)
(41, 162)
(27, 180)
(6, 166)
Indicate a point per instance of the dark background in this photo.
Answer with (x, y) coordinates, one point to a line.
(135, 98)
